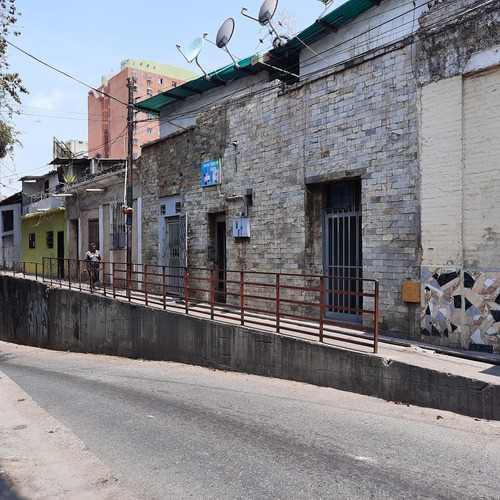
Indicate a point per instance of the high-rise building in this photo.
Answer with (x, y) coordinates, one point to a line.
(108, 117)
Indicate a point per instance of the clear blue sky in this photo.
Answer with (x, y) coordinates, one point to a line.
(89, 38)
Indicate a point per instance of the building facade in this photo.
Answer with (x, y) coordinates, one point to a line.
(319, 153)
(108, 116)
(11, 231)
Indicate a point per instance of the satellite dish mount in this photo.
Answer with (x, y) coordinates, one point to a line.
(266, 13)
(327, 4)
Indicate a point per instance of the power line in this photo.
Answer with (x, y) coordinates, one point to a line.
(62, 72)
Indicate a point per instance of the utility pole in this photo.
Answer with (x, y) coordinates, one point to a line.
(130, 159)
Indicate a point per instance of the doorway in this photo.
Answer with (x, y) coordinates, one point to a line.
(342, 255)
(220, 262)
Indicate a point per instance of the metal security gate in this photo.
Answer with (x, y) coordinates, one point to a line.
(342, 252)
(175, 257)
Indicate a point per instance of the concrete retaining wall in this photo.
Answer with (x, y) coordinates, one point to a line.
(32, 313)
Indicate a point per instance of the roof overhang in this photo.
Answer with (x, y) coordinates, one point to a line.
(281, 62)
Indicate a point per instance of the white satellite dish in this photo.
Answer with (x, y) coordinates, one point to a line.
(225, 33)
(193, 52)
(266, 13)
(194, 49)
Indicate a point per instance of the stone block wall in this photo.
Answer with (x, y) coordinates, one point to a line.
(289, 142)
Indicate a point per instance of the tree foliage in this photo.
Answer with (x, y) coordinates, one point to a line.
(11, 86)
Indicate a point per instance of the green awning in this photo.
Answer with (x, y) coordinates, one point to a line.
(321, 28)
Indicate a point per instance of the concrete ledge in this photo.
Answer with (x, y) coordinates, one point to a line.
(33, 314)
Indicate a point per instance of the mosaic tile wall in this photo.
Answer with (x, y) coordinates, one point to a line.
(461, 308)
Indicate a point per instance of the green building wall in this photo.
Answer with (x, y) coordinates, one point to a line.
(43, 228)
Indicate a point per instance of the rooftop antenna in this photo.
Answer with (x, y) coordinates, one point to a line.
(193, 52)
(224, 35)
(327, 4)
(266, 13)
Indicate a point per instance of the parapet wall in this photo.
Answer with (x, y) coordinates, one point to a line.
(33, 313)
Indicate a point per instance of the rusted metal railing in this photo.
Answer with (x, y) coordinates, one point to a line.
(287, 303)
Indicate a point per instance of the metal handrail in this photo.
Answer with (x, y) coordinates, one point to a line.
(280, 302)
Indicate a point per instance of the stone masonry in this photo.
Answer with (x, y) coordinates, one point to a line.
(359, 123)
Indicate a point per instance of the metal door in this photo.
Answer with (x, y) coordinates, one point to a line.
(342, 252)
(175, 252)
(220, 258)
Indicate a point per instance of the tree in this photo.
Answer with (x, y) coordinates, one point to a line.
(10, 83)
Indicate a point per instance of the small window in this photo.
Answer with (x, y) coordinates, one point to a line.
(160, 81)
(149, 91)
(118, 229)
(136, 142)
(136, 114)
(134, 74)
(135, 100)
(8, 220)
(149, 78)
(135, 128)
(135, 156)
(31, 240)
(160, 92)
(178, 207)
(174, 84)
(163, 209)
(136, 88)
(149, 131)
(150, 117)
(49, 236)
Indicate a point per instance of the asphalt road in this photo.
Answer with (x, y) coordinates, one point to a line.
(168, 430)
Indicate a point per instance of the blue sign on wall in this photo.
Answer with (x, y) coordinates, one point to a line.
(211, 172)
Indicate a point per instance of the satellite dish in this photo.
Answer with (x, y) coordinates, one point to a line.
(194, 49)
(193, 52)
(267, 11)
(225, 33)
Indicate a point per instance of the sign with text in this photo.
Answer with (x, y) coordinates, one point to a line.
(211, 172)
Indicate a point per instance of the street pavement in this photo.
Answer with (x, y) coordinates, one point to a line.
(89, 426)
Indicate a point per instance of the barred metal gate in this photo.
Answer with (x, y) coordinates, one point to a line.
(175, 247)
(343, 252)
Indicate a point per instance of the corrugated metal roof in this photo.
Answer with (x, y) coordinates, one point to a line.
(330, 22)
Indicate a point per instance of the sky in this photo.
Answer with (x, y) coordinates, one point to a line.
(89, 38)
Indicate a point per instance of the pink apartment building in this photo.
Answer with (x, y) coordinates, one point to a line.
(108, 118)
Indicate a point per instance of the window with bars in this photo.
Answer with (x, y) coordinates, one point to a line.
(118, 228)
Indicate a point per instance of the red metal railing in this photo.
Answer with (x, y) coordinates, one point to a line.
(303, 305)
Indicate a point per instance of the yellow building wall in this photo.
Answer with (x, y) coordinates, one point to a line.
(42, 226)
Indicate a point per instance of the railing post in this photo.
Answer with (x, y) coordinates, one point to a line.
(375, 332)
(186, 290)
(146, 284)
(43, 270)
(129, 277)
(212, 293)
(242, 297)
(113, 278)
(104, 278)
(278, 304)
(164, 287)
(321, 308)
